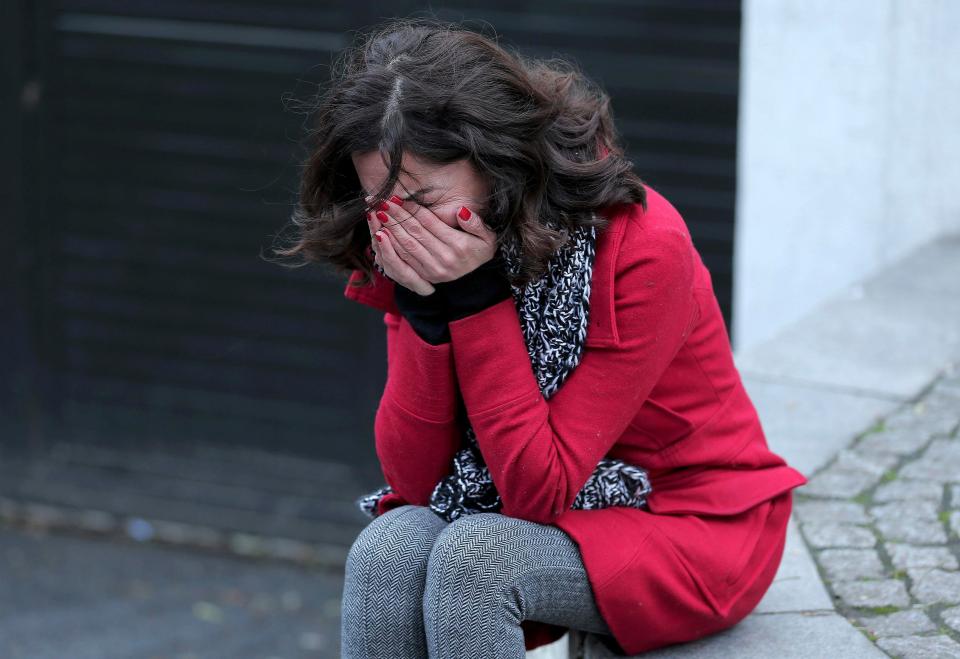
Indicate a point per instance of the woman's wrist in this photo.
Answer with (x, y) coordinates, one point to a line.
(475, 291)
(425, 313)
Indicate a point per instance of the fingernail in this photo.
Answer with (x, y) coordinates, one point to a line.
(382, 217)
(396, 200)
(378, 237)
(384, 206)
(464, 213)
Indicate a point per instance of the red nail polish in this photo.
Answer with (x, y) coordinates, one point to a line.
(464, 213)
(383, 206)
(378, 237)
(382, 217)
(396, 200)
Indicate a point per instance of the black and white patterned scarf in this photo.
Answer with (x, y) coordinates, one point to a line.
(553, 313)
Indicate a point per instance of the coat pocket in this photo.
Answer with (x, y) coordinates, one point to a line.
(660, 424)
(726, 552)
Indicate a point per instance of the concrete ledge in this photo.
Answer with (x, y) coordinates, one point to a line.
(797, 586)
(798, 635)
(887, 337)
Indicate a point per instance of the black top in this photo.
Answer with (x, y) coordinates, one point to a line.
(477, 290)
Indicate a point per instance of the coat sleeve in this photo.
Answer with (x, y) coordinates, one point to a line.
(540, 453)
(415, 428)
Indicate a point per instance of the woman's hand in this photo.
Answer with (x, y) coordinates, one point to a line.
(417, 249)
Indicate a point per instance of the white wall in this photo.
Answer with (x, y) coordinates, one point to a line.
(849, 147)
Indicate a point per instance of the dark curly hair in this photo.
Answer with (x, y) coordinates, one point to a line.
(538, 130)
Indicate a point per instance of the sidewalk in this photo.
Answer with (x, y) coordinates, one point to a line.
(863, 396)
(71, 597)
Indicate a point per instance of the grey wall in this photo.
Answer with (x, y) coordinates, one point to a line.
(848, 135)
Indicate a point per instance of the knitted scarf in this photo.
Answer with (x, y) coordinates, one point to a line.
(553, 312)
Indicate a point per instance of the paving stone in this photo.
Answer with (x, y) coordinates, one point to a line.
(884, 592)
(828, 534)
(921, 647)
(955, 496)
(952, 617)
(955, 522)
(936, 414)
(850, 564)
(901, 441)
(902, 417)
(834, 511)
(943, 410)
(939, 462)
(905, 556)
(908, 529)
(931, 585)
(901, 623)
(945, 388)
(950, 377)
(838, 483)
(871, 462)
(904, 489)
(922, 509)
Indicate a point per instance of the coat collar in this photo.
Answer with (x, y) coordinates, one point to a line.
(602, 324)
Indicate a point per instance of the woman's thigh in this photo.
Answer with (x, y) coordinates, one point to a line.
(382, 607)
(488, 572)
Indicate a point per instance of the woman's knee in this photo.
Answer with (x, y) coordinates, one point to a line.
(474, 555)
(482, 556)
(480, 541)
(399, 537)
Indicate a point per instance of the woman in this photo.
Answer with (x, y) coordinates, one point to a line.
(565, 439)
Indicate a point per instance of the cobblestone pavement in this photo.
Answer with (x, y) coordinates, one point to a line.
(882, 520)
(73, 597)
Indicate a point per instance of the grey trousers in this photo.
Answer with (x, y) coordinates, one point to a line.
(417, 586)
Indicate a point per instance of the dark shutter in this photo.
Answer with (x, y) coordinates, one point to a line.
(162, 160)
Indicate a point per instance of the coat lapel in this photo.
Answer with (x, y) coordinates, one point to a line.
(602, 321)
(602, 325)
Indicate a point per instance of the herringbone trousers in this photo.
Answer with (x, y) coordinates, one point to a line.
(416, 586)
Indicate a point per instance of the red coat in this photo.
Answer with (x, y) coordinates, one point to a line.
(656, 387)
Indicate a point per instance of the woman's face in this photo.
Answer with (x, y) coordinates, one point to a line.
(445, 187)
